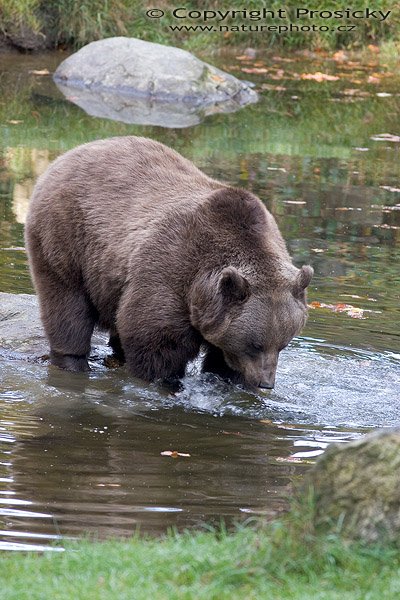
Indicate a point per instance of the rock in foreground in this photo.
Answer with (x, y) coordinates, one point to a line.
(357, 486)
(109, 77)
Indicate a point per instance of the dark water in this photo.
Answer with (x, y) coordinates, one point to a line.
(83, 454)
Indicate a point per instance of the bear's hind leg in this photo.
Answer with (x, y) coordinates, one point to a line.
(68, 317)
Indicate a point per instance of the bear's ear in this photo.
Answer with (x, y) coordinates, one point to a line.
(233, 286)
(239, 210)
(302, 281)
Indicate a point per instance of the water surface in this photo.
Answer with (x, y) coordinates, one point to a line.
(83, 453)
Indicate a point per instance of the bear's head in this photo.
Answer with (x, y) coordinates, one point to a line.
(249, 300)
(250, 322)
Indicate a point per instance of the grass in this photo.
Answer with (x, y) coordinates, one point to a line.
(77, 22)
(282, 560)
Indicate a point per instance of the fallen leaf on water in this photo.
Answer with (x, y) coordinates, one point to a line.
(40, 72)
(284, 59)
(255, 70)
(266, 421)
(318, 76)
(272, 87)
(356, 313)
(294, 201)
(351, 311)
(357, 297)
(389, 189)
(173, 453)
(385, 137)
(355, 92)
(14, 122)
(108, 485)
(13, 248)
(278, 74)
(314, 304)
(344, 208)
(385, 226)
(340, 56)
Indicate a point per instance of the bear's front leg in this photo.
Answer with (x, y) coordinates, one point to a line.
(115, 344)
(160, 356)
(70, 362)
(156, 336)
(214, 362)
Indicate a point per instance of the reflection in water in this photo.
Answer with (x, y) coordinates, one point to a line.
(82, 453)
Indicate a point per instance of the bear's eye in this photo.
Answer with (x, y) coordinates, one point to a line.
(255, 348)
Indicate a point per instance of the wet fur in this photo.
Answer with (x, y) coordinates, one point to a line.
(127, 234)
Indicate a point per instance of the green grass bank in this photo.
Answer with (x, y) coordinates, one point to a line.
(281, 560)
(77, 22)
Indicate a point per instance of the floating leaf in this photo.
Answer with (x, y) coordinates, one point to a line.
(389, 189)
(319, 77)
(173, 453)
(40, 72)
(272, 87)
(385, 226)
(385, 137)
(351, 311)
(340, 56)
(279, 74)
(294, 201)
(255, 70)
(347, 208)
(355, 92)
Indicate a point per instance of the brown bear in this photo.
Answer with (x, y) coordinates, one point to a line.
(127, 234)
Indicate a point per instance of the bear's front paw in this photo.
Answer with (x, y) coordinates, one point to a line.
(70, 362)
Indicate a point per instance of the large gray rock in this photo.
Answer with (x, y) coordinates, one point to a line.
(356, 487)
(134, 81)
(21, 330)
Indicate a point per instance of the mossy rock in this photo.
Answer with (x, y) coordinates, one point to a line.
(356, 487)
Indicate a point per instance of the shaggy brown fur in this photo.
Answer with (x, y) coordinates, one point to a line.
(127, 234)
